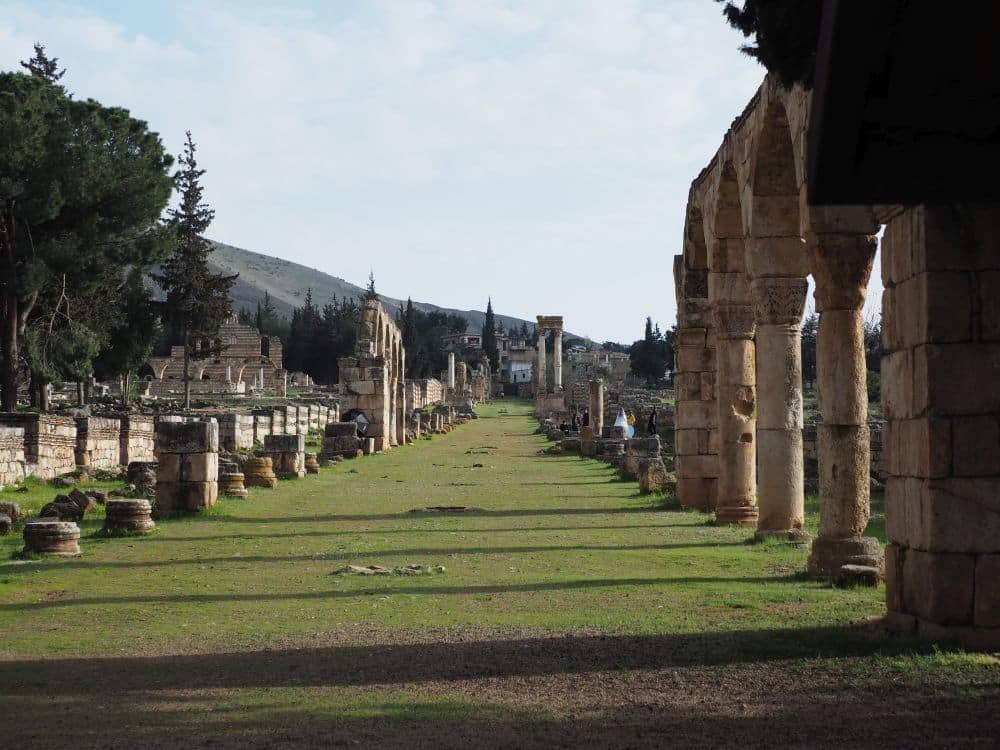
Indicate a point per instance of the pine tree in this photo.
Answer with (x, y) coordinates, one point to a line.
(197, 300)
(370, 293)
(490, 337)
(409, 326)
(40, 66)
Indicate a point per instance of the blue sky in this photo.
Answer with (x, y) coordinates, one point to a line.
(535, 151)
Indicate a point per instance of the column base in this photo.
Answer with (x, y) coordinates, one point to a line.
(829, 554)
(972, 638)
(736, 515)
(794, 537)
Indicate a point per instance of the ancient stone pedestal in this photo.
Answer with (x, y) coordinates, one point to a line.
(778, 304)
(142, 474)
(737, 500)
(187, 476)
(11, 455)
(287, 454)
(842, 265)
(52, 538)
(637, 449)
(231, 484)
(941, 402)
(595, 407)
(131, 515)
(341, 439)
(311, 464)
(258, 472)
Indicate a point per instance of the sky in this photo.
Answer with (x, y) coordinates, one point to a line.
(538, 152)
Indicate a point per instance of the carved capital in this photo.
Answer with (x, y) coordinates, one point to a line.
(841, 265)
(778, 301)
(733, 321)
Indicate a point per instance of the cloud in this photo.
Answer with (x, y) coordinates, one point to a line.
(538, 151)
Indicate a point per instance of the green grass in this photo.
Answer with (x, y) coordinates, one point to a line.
(560, 547)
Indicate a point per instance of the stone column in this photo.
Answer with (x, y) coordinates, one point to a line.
(778, 305)
(941, 403)
(543, 387)
(557, 337)
(737, 501)
(229, 373)
(842, 264)
(262, 378)
(596, 406)
(451, 370)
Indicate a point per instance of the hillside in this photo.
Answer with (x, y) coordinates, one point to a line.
(287, 283)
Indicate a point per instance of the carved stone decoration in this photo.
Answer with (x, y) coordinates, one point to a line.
(778, 301)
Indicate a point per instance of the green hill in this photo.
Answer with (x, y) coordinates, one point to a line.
(287, 283)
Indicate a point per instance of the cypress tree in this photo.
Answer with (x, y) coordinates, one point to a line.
(197, 300)
(490, 337)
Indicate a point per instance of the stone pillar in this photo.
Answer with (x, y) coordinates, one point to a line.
(557, 340)
(187, 473)
(262, 378)
(737, 501)
(542, 379)
(842, 264)
(596, 406)
(696, 424)
(229, 373)
(451, 370)
(941, 402)
(778, 305)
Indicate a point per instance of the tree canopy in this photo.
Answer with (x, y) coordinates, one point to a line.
(81, 189)
(653, 354)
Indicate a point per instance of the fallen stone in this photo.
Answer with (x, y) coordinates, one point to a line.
(100, 496)
(61, 511)
(10, 509)
(66, 481)
(49, 537)
(83, 501)
(858, 575)
(5, 524)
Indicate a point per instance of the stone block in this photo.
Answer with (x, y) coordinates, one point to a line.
(687, 386)
(939, 587)
(695, 359)
(199, 467)
(187, 437)
(694, 337)
(956, 379)
(698, 415)
(917, 447)
(285, 444)
(976, 446)
(697, 492)
(697, 466)
(989, 305)
(686, 442)
(987, 593)
(897, 385)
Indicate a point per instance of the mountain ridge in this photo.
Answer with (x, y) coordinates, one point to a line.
(287, 282)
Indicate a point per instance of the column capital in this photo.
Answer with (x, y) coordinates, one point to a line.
(733, 321)
(841, 266)
(778, 300)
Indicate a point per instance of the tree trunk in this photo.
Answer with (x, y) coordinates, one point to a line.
(8, 347)
(43, 395)
(187, 369)
(87, 390)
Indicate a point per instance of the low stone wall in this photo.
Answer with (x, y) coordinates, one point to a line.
(98, 442)
(49, 442)
(136, 441)
(11, 455)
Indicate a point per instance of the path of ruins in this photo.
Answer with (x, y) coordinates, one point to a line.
(571, 611)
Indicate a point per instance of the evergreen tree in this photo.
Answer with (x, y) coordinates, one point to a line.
(197, 300)
(810, 330)
(785, 32)
(40, 66)
(409, 326)
(489, 339)
(653, 355)
(370, 293)
(69, 225)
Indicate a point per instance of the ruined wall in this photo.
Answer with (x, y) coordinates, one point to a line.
(137, 441)
(11, 455)
(98, 442)
(49, 442)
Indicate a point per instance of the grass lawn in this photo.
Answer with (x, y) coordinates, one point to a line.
(567, 601)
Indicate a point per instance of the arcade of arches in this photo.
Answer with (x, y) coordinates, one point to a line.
(750, 242)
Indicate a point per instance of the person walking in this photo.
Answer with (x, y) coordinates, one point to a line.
(651, 426)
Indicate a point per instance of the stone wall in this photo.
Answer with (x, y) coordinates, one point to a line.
(98, 442)
(137, 441)
(49, 442)
(11, 455)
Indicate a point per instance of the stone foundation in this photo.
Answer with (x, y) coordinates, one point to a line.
(236, 431)
(287, 454)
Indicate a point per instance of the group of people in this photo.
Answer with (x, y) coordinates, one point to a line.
(626, 419)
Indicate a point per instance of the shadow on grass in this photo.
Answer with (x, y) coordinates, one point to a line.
(388, 664)
(512, 513)
(431, 586)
